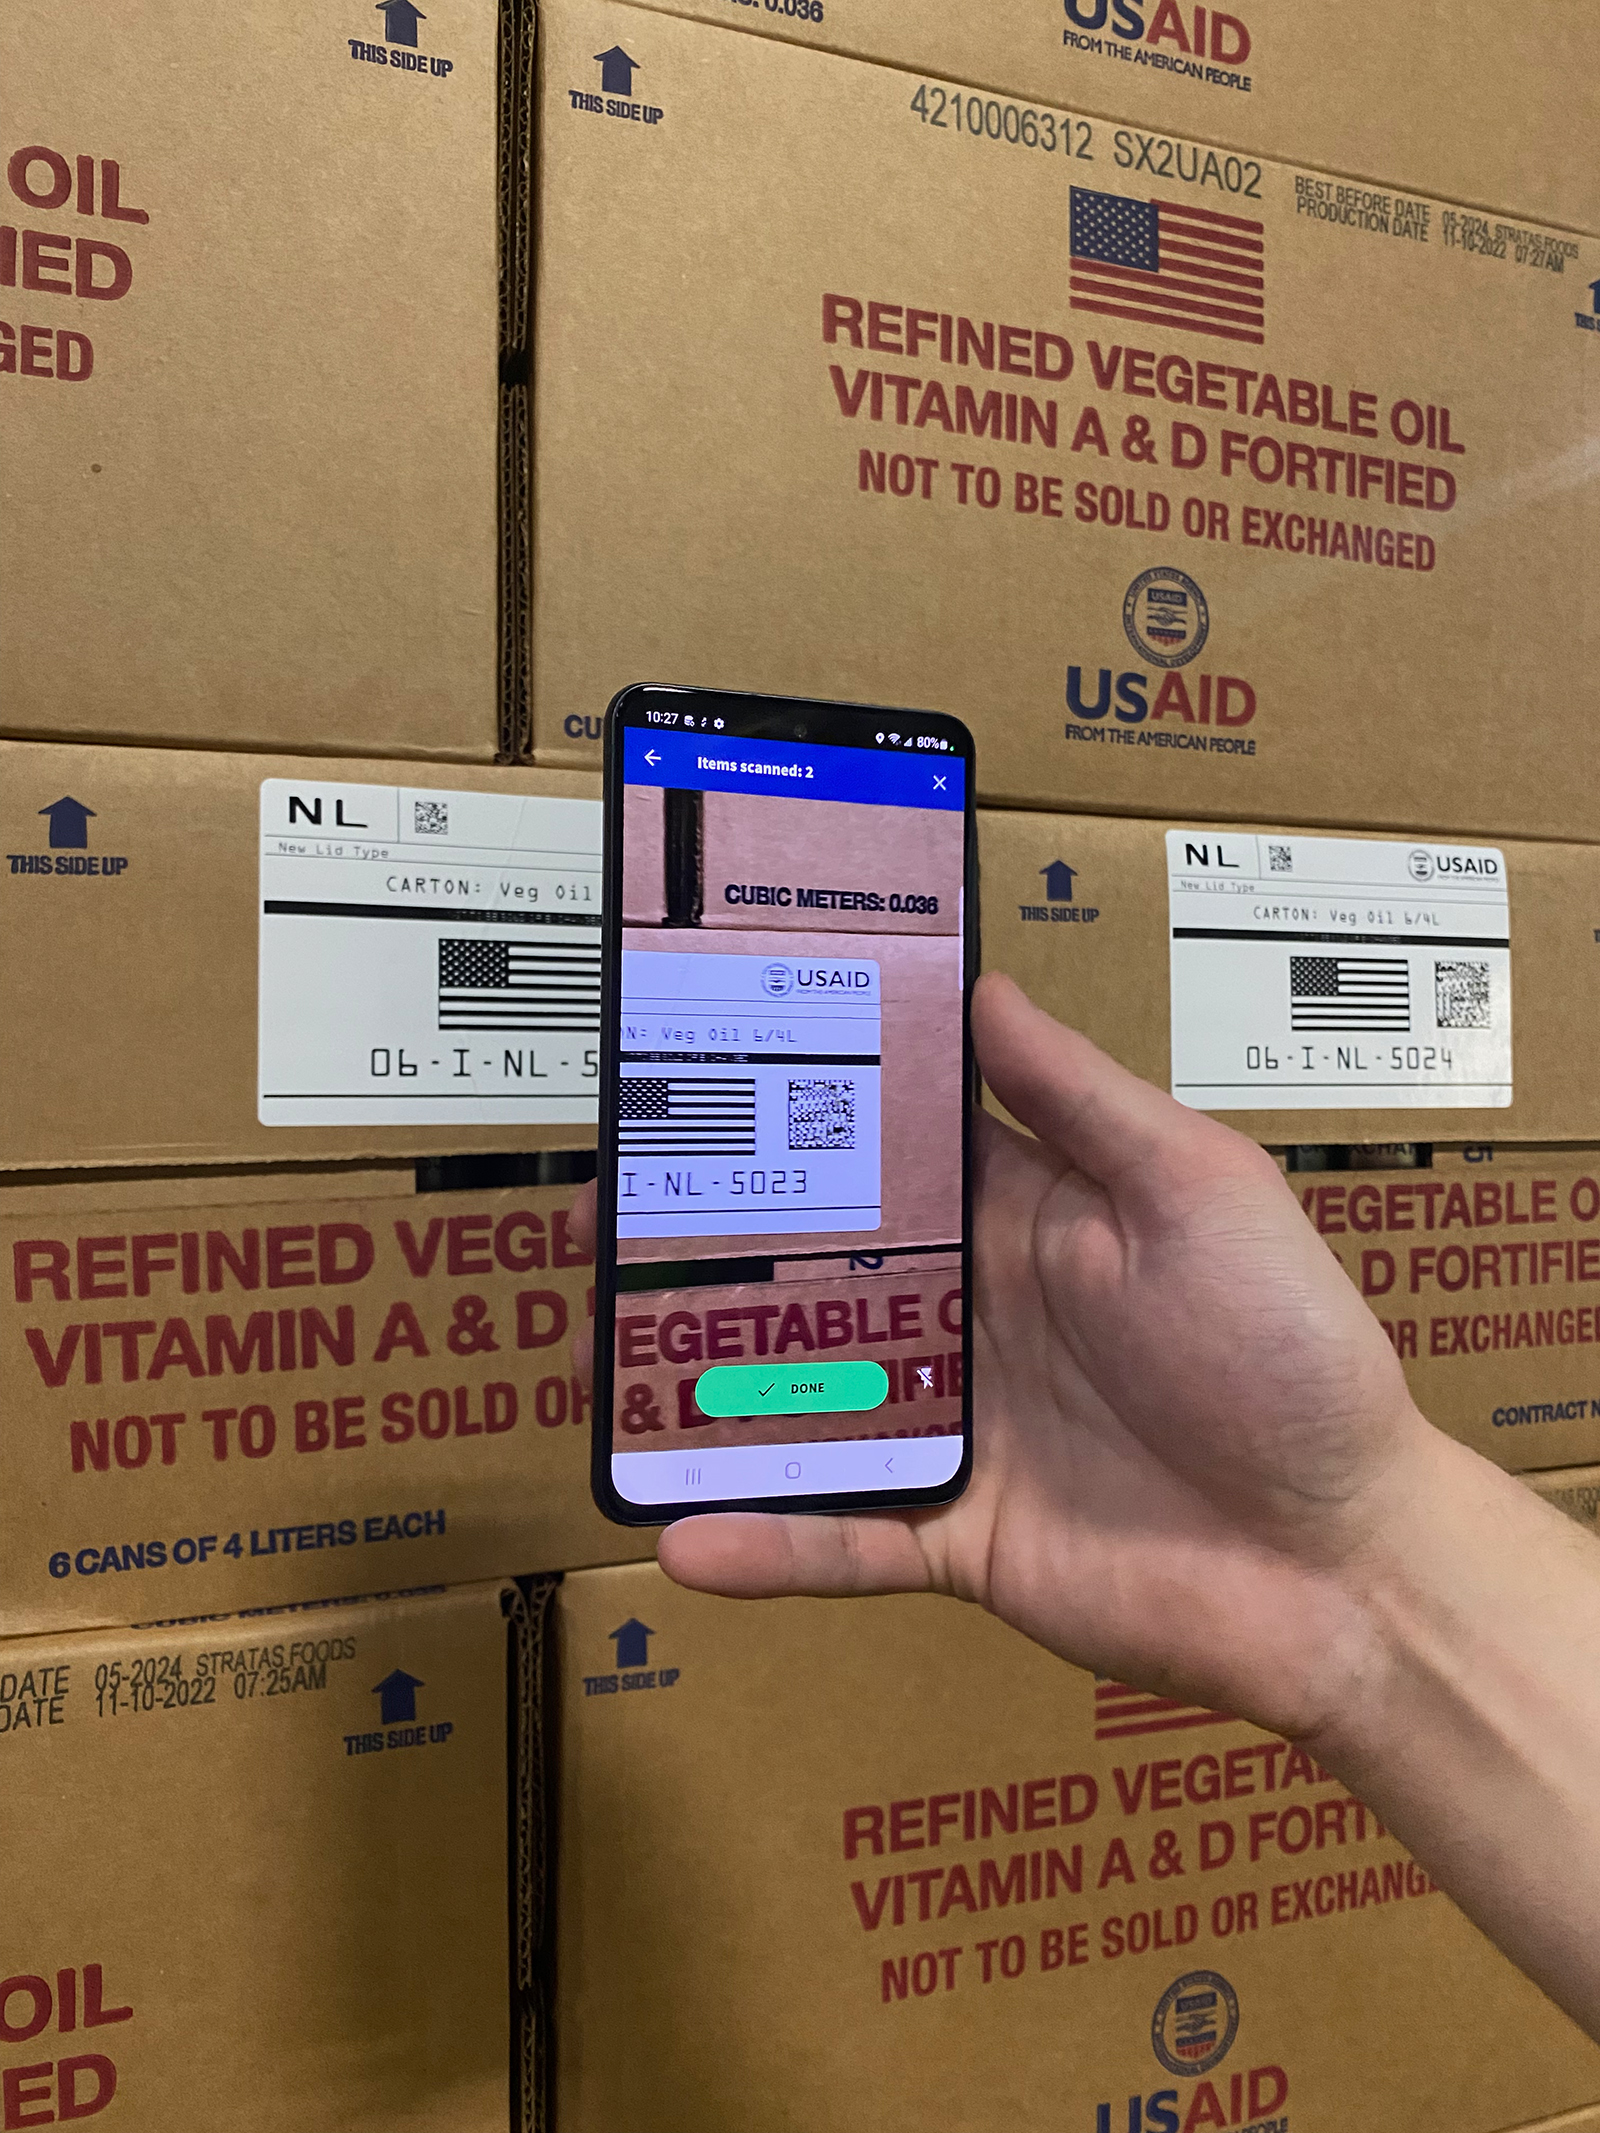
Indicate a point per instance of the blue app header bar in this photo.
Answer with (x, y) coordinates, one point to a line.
(702, 762)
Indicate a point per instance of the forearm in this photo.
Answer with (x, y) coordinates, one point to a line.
(1474, 1727)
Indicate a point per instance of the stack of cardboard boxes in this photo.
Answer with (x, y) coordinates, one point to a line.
(1197, 402)
(296, 1079)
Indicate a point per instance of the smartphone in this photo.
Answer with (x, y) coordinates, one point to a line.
(783, 1264)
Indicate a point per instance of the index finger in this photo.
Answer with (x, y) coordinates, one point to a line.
(1120, 1131)
(581, 1220)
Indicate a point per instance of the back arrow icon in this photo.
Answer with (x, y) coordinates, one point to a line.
(650, 756)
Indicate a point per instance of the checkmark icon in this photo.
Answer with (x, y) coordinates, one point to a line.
(763, 1390)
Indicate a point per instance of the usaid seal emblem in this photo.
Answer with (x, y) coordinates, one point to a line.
(1195, 2023)
(1421, 865)
(777, 980)
(1166, 617)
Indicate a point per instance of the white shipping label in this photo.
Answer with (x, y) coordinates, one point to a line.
(749, 1098)
(1331, 973)
(427, 958)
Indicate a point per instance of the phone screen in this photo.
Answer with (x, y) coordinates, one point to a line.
(783, 1205)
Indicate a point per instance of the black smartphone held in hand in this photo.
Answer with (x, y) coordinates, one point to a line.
(783, 1260)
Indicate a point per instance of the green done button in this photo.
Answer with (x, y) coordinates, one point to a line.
(768, 1389)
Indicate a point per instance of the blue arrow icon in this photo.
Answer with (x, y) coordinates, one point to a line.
(69, 824)
(398, 1694)
(400, 21)
(633, 1644)
(616, 72)
(1058, 880)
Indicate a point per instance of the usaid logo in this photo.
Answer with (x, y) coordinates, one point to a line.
(1424, 865)
(1205, 33)
(1133, 697)
(1195, 2023)
(1193, 2029)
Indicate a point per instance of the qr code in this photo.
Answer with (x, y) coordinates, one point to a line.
(822, 1114)
(431, 818)
(1280, 859)
(1461, 995)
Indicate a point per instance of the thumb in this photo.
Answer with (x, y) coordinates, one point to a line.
(756, 1555)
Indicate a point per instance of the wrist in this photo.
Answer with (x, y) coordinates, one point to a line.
(1389, 1587)
(1439, 1529)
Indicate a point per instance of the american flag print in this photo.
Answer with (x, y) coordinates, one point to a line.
(512, 985)
(1167, 263)
(1122, 1713)
(685, 1114)
(1349, 992)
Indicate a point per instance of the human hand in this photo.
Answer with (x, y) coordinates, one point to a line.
(1191, 1437)
(1197, 1470)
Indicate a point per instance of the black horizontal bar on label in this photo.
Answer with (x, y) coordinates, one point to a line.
(453, 914)
(1264, 1087)
(859, 1059)
(1388, 940)
(813, 1207)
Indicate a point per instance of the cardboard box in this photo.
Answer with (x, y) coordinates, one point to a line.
(1472, 104)
(1304, 988)
(221, 958)
(220, 1407)
(1488, 1284)
(281, 1871)
(69, 1192)
(1074, 529)
(1575, 1490)
(892, 1865)
(250, 329)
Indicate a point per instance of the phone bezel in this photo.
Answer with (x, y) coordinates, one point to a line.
(837, 724)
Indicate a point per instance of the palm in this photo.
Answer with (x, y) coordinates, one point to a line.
(1182, 1409)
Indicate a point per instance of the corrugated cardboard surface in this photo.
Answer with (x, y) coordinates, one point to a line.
(22, 1193)
(266, 518)
(689, 239)
(1109, 974)
(128, 1000)
(717, 1942)
(267, 1871)
(1467, 100)
(214, 1407)
(1487, 1280)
